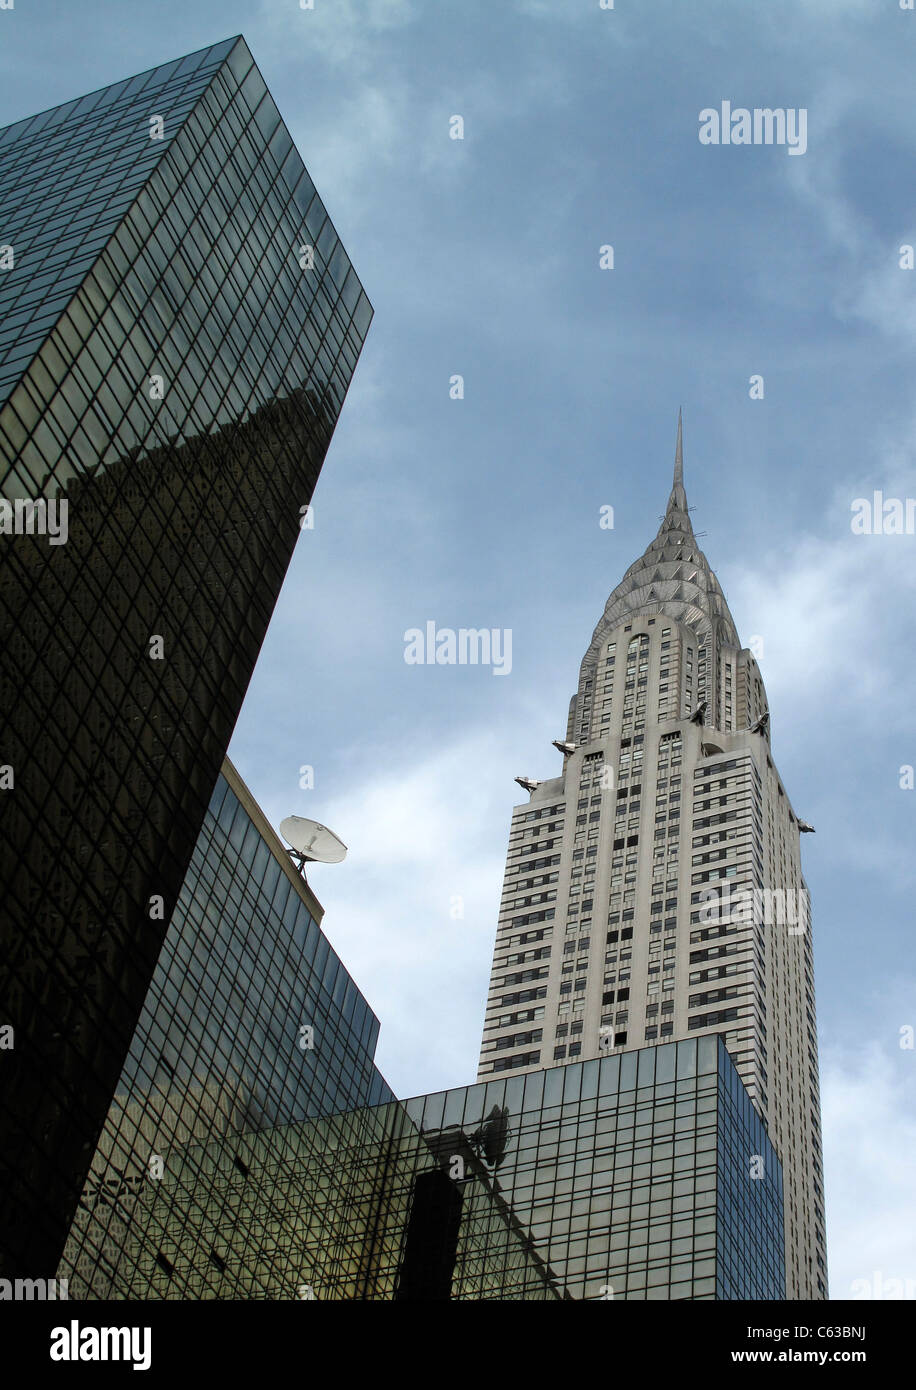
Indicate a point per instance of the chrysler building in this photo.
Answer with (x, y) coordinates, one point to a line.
(653, 889)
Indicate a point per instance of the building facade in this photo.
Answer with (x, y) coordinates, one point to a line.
(359, 1206)
(653, 891)
(648, 1175)
(254, 1151)
(180, 323)
(251, 1023)
(643, 1175)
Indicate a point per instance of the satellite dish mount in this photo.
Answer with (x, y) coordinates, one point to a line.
(311, 843)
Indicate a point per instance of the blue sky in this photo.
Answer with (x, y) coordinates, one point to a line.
(481, 259)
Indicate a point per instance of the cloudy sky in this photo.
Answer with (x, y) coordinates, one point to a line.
(481, 257)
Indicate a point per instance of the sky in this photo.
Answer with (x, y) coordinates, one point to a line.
(482, 258)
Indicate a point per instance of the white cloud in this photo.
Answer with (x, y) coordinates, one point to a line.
(346, 143)
(828, 606)
(359, 124)
(424, 828)
(830, 610)
(342, 32)
(821, 606)
(870, 285)
(886, 294)
(869, 1140)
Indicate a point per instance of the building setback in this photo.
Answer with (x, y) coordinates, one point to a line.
(653, 891)
(179, 324)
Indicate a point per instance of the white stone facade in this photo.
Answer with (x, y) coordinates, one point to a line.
(654, 891)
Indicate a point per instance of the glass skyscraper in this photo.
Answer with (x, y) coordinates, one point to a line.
(180, 323)
(251, 1023)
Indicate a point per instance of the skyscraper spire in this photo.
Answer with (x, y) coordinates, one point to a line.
(678, 499)
(679, 452)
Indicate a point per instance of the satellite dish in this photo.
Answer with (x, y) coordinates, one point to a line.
(312, 842)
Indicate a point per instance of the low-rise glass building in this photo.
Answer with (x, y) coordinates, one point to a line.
(251, 1023)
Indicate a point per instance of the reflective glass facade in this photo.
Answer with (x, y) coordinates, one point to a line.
(221, 1051)
(750, 1218)
(181, 324)
(645, 1175)
(67, 178)
(358, 1206)
(635, 1173)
